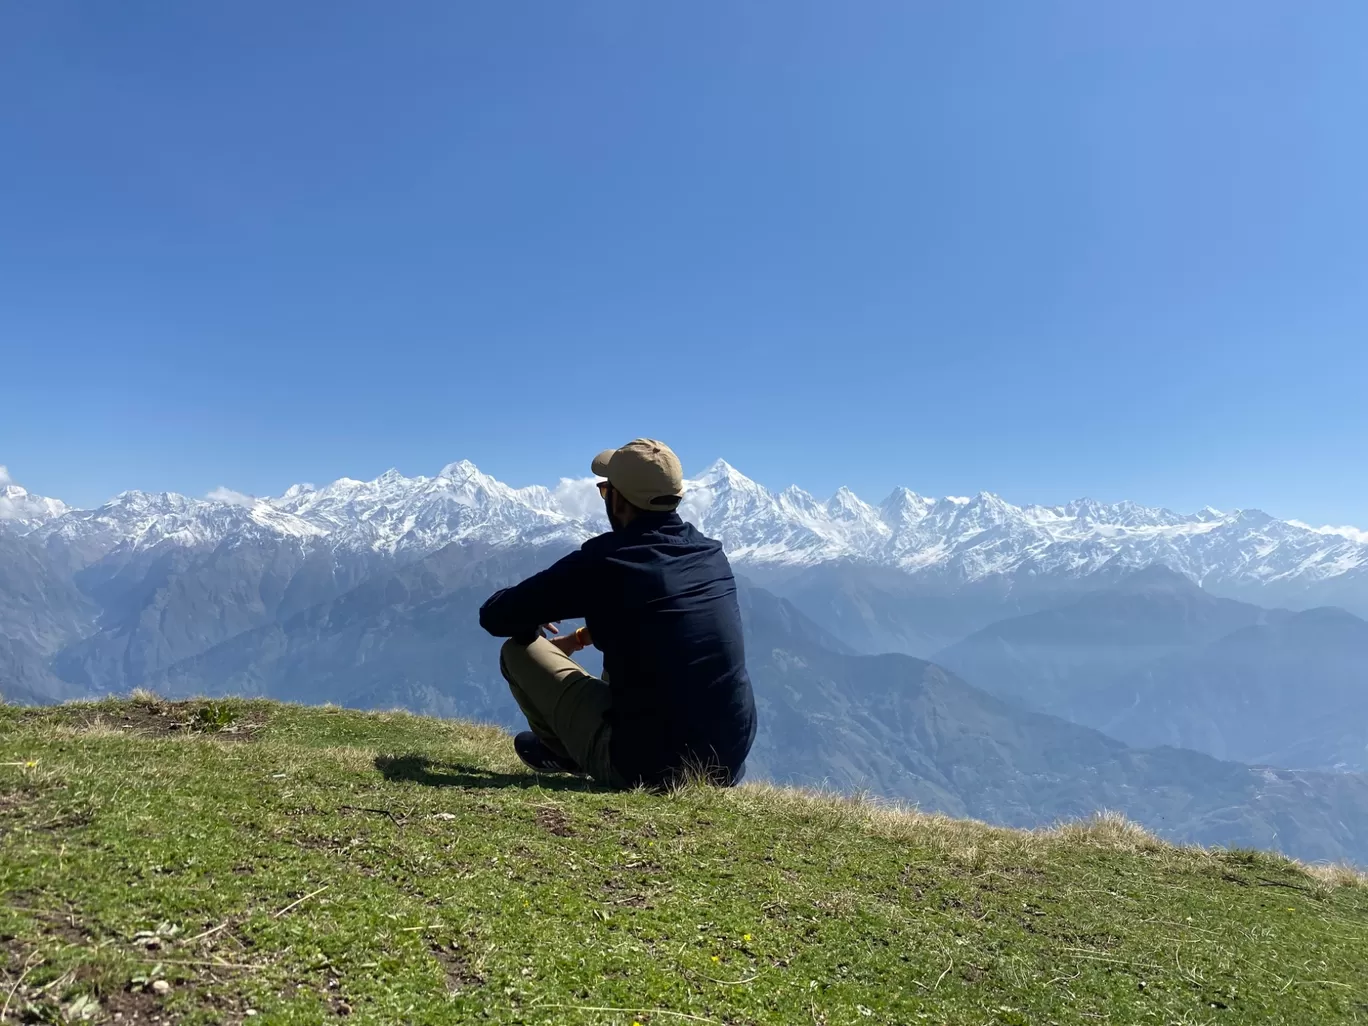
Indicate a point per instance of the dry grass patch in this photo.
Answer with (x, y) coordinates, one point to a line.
(973, 844)
(1112, 831)
(95, 727)
(1337, 875)
(966, 841)
(356, 758)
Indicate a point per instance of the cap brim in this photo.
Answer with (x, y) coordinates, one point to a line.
(600, 464)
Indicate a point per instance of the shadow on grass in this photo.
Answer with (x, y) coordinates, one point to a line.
(419, 769)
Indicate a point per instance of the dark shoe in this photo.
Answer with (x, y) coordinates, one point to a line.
(533, 751)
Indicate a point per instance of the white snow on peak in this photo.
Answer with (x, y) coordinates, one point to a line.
(21, 510)
(848, 505)
(460, 470)
(965, 537)
(718, 466)
(394, 513)
(142, 520)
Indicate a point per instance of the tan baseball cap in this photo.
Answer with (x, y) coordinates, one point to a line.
(644, 472)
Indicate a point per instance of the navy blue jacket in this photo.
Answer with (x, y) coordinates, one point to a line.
(659, 600)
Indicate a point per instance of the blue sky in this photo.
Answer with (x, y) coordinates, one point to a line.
(1046, 249)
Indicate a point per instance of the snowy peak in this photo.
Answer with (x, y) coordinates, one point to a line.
(799, 503)
(1083, 509)
(846, 505)
(22, 511)
(394, 513)
(723, 492)
(966, 538)
(719, 468)
(904, 507)
(722, 477)
(461, 470)
(141, 520)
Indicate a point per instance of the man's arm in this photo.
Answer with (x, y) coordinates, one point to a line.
(560, 592)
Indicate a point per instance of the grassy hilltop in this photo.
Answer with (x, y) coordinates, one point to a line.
(233, 861)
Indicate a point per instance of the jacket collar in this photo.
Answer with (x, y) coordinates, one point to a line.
(650, 520)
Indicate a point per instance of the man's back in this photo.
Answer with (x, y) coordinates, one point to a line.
(670, 631)
(659, 600)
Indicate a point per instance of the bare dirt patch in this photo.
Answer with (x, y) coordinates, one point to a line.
(458, 967)
(131, 1006)
(65, 927)
(625, 893)
(48, 922)
(14, 807)
(189, 718)
(554, 821)
(21, 808)
(337, 1001)
(16, 960)
(229, 1009)
(167, 719)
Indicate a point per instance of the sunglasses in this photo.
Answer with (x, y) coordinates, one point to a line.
(604, 488)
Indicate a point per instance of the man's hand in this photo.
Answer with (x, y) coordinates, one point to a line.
(566, 643)
(572, 642)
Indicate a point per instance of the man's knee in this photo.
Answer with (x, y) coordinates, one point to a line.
(508, 654)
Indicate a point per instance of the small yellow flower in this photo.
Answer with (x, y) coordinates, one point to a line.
(715, 958)
(746, 937)
(31, 763)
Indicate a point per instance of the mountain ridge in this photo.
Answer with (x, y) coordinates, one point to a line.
(1154, 660)
(956, 538)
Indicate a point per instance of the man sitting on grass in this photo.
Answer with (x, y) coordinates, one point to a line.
(659, 600)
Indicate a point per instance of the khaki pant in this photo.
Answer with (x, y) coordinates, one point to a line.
(565, 706)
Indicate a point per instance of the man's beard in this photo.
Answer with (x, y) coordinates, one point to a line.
(613, 521)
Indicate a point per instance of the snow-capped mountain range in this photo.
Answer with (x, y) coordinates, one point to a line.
(965, 538)
(21, 511)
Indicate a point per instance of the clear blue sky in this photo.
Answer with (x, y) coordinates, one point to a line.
(1044, 249)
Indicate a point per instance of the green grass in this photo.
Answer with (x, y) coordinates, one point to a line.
(306, 864)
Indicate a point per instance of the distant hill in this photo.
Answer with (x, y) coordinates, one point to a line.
(408, 638)
(41, 611)
(1053, 659)
(1157, 660)
(1289, 692)
(233, 862)
(876, 609)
